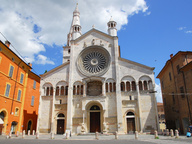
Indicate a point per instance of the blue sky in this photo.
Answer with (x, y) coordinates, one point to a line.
(151, 39)
(148, 30)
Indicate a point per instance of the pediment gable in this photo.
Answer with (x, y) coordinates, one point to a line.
(55, 69)
(136, 64)
(93, 32)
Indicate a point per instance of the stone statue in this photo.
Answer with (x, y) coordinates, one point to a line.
(93, 42)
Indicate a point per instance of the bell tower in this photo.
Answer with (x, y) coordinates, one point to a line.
(112, 31)
(75, 30)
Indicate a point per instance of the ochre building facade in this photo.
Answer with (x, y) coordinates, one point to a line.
(19, 93)
(175, 78)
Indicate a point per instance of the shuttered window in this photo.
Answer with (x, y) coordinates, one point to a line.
(7, 90)
(19, 95)
(34, 84)
(11, 71)
(21, 78)
(32, 100)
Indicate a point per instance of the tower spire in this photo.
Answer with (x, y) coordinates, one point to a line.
(75, 29)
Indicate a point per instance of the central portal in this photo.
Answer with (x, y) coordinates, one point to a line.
(95, 124)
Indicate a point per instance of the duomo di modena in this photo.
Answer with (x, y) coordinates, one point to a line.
(95, 90)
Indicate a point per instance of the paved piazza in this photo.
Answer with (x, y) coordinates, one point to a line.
(87, 139)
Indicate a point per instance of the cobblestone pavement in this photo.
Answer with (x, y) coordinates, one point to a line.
(87, 139)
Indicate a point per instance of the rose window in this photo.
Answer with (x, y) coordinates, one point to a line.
(93, 61)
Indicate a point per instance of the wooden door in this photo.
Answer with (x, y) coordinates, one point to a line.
(130, 125)
(60, 126)
(1, 128)
(95, 122)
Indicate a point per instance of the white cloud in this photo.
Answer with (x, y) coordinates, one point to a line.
(159, 93)
(53, 18)
(181, 28)
(147, 13)
(189, 31)
(41, 59)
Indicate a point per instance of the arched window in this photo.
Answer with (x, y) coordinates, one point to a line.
(61, 115)
(130, 114)
(111, 24)
(2, 115)
(133, 86)
(122, 86)
(150, 85)
(110, 87)
(106, 87)
(95, 107)
(66, 90)
(78, 90)
(47, 91)
(81, 89)
(57, 91)
(114, 86)
(74, 90)
(140, 86)
(51, 93)
(62, 90)
(128, 86)
(145, 85)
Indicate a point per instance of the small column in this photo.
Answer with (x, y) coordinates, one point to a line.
(53, 110)
(172, 134)
(103, 88)
(52, 135)
(167, 133)
(116, 135)
(136, 134)
(84, 89)
(33, 132)
(83, 116)
(28, 133)
(75, 89)
(23, 134)
(176, 134)
(67, 135)
(96, 136)
(156, 135)
(10, 134)
(37, 135)
(17, 134)
(60, 90)
(139, 107)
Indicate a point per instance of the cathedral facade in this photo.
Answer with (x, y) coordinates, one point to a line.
(95, 90)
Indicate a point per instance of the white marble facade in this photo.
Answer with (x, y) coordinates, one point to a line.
(95, 89)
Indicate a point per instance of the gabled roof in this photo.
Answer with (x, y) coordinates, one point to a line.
(90, 31)
(56, 68)
(135, 63)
